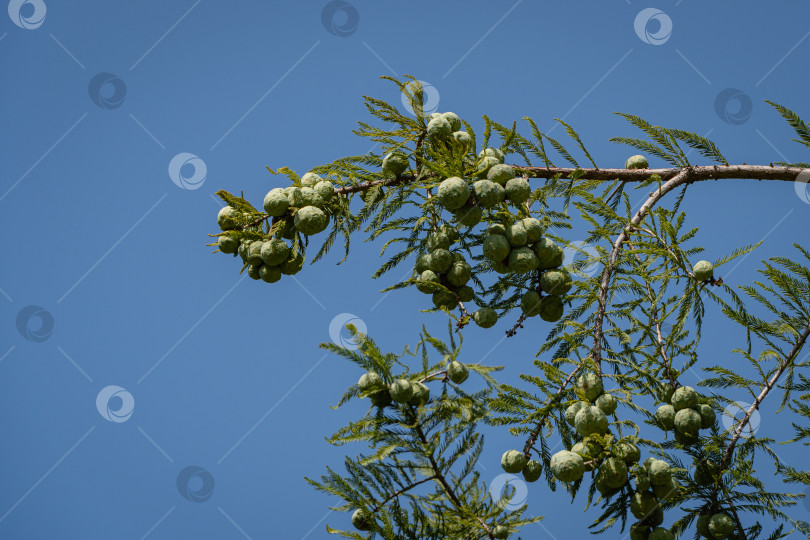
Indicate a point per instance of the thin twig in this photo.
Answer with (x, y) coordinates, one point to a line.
(659, 336)
(432, 375)
(762, 395)
(536, 431)
(734, 511)
(681, 178)
(443, 481)
(401, 491)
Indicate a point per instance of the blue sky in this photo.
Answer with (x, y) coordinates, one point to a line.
(224, 373)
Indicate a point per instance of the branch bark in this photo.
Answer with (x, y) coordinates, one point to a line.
(401, 491)
(439, 477)
(536, 431)
(682, 177)
(710, 172)
(659, 336)
(763, 394)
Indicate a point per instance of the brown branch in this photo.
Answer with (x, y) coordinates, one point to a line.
(443, 481)
(527, 448)
(711, 172)
(763, 394)
(464, 313)
(419, 140)
(255, 222)
(518, 324)
(683, 176)
(734, 511)
(661, 347)
(402, 179)
(403, 490)
(652, 234)
(432, 375)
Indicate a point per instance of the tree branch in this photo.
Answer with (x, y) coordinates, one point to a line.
(536, 431)
(401, 491)
(438, 476)
(734, 511)
(683, 176)
(763, 394)
(711, 172)
(659, 336)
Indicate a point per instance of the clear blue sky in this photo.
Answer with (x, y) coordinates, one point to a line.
(225, 373)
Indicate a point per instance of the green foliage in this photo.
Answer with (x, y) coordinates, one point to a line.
(418, 481)
(634, 325)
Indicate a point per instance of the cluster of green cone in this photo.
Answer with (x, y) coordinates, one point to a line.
(716, 526)
(615, 461)
(597, 448)
(515, 462)
(300, 208)
(494, 182)
(404, 391)
(713, 523)
(491, 183)
(441, 266)
(653, 483)
(683, 413)
(411, 391)
(521, 248)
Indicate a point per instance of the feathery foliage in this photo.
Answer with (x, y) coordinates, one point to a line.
(633, 322)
